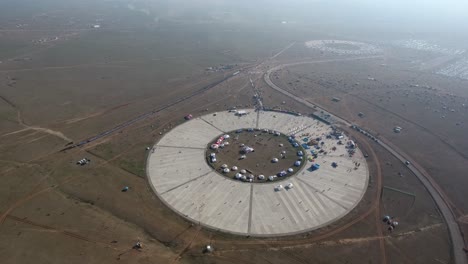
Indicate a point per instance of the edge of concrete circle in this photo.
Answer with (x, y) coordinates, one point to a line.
(247, 234)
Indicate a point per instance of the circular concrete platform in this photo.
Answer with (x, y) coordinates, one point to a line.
(344, 47)
(182, 179)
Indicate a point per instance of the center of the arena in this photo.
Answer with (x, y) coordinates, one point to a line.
(258, 173)
(256, 155)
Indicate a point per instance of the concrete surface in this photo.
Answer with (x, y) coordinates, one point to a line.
(181, 178)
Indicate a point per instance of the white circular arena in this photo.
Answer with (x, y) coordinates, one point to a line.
(343, 47)
(329, 186)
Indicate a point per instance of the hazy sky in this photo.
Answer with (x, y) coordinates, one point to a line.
(417, 15)
(396, 16)
(416, 12)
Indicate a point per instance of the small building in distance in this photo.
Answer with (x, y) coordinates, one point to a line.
(241, 113)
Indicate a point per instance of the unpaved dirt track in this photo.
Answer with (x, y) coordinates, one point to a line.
(443, 205)
(28, 127)
(147, 114)
(455, 233)
(182, 99)
(283, 50)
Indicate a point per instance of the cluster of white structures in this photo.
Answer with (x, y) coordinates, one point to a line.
(297, 129)
(182, 179)
(220, 142)
(391, 222)
(457, 69)
(242, 174)
(360, 48)
(83, 161)
(246, 177)
(424, 45)
(287, 187)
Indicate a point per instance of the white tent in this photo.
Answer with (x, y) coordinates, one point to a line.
(247, 149)
(279, 188)
(243, 171)
(226, 136)
(209, 248)
(289, 186)
(297, 163)
(238, 175)
(271, 178)
(226, 170)
(290, 170)
(274, 160)
(261, 177)
(224, 166)
(234, 168)
(241, 112)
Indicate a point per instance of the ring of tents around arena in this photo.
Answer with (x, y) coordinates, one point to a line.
(255, 155)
